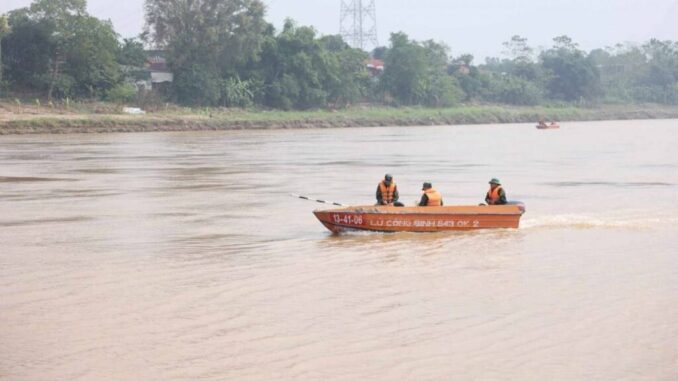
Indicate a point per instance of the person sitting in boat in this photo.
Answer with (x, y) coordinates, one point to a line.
(542, 123)
(496, 194)
(431, 197)
(387, 192)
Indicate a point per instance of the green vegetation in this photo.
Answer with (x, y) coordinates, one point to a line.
(122, 93)
(624, 74)
(297, 70)
(207, 41)
(97, 117)
(223, 53)
(56, 48)
(416, 74)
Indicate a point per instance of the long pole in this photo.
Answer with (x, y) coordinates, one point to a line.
(318, 201)
(360, 18)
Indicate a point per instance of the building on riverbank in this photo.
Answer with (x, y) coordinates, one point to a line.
(156, 64)
(156, 74)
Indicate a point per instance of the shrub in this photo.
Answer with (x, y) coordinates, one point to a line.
(514, 90)
(122, 93)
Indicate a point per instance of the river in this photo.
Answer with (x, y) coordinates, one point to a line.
(181, 256)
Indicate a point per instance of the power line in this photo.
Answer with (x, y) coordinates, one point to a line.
(358, 25)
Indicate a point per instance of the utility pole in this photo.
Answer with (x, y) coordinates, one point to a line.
(4, 29)
(358, 25)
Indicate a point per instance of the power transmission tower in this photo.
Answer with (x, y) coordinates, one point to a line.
(359, 23)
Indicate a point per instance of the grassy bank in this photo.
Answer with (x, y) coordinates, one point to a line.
(101, 118)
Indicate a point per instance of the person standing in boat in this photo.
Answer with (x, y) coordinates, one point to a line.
(496, 194)
(431, 197)
(387, 192)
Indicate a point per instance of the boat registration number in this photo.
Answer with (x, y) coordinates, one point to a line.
(348, 219)
(357, 219)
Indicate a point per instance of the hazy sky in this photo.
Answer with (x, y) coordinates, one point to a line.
(467, 26)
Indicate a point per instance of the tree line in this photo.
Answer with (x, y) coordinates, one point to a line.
(225, 53)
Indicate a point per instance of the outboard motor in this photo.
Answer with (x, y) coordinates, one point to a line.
(520, 205)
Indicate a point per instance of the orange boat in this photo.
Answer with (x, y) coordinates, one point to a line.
(548, 126)
(421, 219)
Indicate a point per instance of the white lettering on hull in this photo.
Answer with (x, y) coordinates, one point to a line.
(348, 219)
(359, 220)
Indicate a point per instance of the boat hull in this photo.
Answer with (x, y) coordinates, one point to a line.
(548, 127)
(421, 219)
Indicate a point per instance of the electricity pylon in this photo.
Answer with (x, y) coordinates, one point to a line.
(359, 23)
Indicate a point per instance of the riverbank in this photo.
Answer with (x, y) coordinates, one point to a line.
(106, 118)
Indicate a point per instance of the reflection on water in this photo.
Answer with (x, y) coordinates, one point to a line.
(181, 256)
(4, 179)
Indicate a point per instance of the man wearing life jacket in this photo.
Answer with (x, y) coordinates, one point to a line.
(496, 194)
(431, 197)
(387, 192)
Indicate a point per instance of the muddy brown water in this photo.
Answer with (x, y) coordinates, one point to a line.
(181, 256)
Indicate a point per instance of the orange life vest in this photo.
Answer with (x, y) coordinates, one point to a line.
(493, 195)
(434, 197)
(387, 192)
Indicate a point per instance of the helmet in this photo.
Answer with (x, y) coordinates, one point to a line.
(388, 178)
(427, 185)
(495, 181)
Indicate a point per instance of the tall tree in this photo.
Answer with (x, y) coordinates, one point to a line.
(517, 49)
(132, 53)
(91, 57)
(573, 75)
(379, 53)
(663, 62)
(621, 69)
(302, 71)
(27, 52)
(519, 60)
(60, 15)
(659, 81)
(346, 75)
(416, 73)
(55, 46)
(565, 43)
(205, 39)
(405, 70)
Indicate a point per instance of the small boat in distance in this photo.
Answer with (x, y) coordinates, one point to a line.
(421, 219)
(551, 126)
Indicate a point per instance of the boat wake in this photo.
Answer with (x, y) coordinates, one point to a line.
(625, 220)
